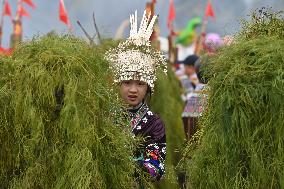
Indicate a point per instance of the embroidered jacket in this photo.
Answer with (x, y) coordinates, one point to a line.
(148, 125)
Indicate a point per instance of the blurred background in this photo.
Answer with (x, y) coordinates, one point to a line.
(110, 14)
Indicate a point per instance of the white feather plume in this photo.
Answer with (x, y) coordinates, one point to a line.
(145, 31)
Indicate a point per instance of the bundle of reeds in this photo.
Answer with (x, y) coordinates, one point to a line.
(166, 102)
(242, 144)
(57, 125)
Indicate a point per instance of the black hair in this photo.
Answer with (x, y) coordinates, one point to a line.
(190, 60)
(199, 67)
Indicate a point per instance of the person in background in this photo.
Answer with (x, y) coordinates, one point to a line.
(189, 79)
(189, 83)
(212, 43)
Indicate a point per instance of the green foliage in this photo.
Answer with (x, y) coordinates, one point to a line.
(264, 22)
(57, 127)
(57, 124)
(166, 102)
(243, 142)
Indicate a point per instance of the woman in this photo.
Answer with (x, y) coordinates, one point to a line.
(134, 63)
(190, 84)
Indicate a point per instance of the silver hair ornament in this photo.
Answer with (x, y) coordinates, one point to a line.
(135, 59)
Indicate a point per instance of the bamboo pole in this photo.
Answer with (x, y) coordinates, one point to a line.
(16, 37)
(91, 39)
(150, 10)
(201, 37)
(2, 22)
(96, 28)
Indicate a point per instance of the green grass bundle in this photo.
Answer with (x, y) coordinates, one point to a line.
(242, 145)
(57, 124)
(264, 22)
(166, 102)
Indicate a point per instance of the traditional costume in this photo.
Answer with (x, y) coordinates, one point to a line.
(135, 59)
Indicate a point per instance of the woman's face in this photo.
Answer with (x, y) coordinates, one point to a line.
(133, 91)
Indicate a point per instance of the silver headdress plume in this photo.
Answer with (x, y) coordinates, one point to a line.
(135, 59)
(142, 36)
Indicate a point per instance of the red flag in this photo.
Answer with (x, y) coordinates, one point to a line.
(209, 10)
(7, 9)
(63, 16)
(172, 15)
(29, 2)
(23, 12)
(5, 51)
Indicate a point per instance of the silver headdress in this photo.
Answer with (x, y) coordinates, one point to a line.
(135, 59)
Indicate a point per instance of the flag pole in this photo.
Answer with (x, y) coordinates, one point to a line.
(173, 51)
(16, 36)
(18, 15)
(201, 37)
(2, 22)
(150, 8)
